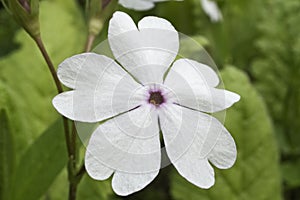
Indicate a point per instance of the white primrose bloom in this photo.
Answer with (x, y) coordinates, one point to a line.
(212, 10)
(140, 5)
(143, 93)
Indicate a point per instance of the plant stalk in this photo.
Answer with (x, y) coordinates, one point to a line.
(50, 65)
(89, 42)
(70, 137)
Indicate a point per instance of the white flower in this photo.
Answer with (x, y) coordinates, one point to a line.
(140, 4)
(212, 10)
(139, 103)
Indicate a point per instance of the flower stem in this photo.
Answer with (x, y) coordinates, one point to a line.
(72, 191)
(89, 42)
(52, 70)
(70, 137)
(80, 173)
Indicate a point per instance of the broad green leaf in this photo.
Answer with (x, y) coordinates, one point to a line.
(26, 76)
(6, 157)
(87, 189)
(40, 164)
(255, 175)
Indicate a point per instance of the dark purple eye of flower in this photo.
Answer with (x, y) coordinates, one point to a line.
(156, 98)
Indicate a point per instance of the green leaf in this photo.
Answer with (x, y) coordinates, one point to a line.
(88, 189)
(7, 34)
(59, 188)
(255, 175)
(291, 173)
(230, 40)
(6, 157)
(26, 77)
(277, 71)
(40, 164)
(94, 190)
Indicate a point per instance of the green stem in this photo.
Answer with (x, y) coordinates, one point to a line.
(72, 191)
(70, 139)
(50, 65)
(72, 164)
(89, 42)
(80, 173)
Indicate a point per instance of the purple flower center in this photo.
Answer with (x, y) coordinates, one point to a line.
(156, 98)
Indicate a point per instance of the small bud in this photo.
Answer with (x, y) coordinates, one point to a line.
(98, 12)
(25, 5)
(26, 13)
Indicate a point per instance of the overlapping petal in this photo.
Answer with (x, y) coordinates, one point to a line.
(212, 10)
(96, 168)
(194, 83)
(129, 146)
(101, 88)
(192, 139)
(127, 183)
(123, 183)
(147, 51)
(128, 143)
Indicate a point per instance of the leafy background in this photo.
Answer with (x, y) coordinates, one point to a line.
(257, 48)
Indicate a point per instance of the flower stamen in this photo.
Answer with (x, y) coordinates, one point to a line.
(156, 98)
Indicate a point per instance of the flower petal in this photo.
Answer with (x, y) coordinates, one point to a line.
(120, 23)
(191, 139)
(212, 10)
(197, 73)
(224, 153)
(146, 52)
(102, 88)
(197, 171)
(139, 5)
(96, 169)
(193, 84)
(129, 142)
(83, 111)
(127, 183)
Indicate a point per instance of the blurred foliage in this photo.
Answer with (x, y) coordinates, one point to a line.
(232, 39)
(291, 173)
(88, 189)
(26, 91)
(25, 75)
(6, 156)
(278, 65)
(256, 173)
(7, 34)
(40, 164)
(261, 38)
(277, 77)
